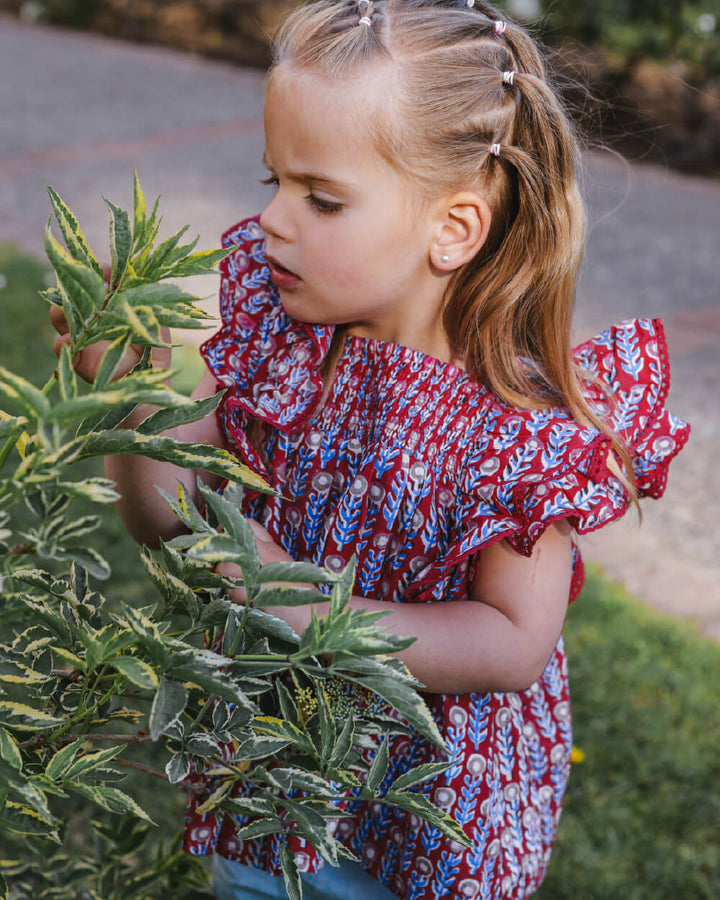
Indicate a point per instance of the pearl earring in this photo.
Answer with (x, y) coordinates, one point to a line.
(444, 259)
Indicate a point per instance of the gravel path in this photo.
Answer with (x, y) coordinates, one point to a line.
(81, 111)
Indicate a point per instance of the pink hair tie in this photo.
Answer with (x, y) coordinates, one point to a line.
(495, 150)
(500, 26)
(365, 20)
(470, 3)
(508, 77)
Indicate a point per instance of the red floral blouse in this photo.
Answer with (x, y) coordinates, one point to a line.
(414, 467)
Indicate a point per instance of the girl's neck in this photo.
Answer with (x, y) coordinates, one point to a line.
(431, 341)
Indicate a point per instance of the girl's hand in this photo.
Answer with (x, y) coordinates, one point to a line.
(87, 362)
(268, 550)
(297, 617)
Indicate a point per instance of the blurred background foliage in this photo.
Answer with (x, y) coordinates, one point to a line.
(643, 75)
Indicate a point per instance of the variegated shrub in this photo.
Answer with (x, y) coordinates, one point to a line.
(85, 681)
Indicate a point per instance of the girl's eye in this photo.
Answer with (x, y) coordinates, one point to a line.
(269, 180)
(324, 207)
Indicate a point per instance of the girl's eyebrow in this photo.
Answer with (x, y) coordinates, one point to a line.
(309, 176)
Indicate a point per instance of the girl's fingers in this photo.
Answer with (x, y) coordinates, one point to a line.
(58, 320)
(64, 338)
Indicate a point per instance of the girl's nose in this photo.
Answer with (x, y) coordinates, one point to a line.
(274, 221)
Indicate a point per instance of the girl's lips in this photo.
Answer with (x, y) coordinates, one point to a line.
(281, 277)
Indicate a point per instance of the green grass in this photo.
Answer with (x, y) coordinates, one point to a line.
(642, 814)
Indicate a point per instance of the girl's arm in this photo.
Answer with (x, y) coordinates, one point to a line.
(143, 510)
(146, 515)
(499, 640)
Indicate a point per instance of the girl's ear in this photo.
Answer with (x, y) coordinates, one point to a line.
(462, 226)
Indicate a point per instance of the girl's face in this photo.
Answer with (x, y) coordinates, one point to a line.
(347, 239)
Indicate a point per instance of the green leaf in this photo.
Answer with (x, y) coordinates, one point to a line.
(21, 819)
(157, 297)
(202, 263)
(185, 510)
(217, 683)
(21, 717)
(189, 456)
(78, 408)
(88, 558)
(120, 241)
(83, 284)
(168, 705)
(237, 527)
(406, 701)
(71, 658)
(249, 806)
(378, 768)
(260, 748)
(155, 263)
(293, 884)
(109, 798)
(164, 419)
(171, 587)
(17, 390)
(288, 707)
(424, 772)
(139, 219)
(110, 362)
(137, 671)
(62, 760)
(97, 490)
(74, 238)
(91, 761)
(11, 426)
(295, 573)
(271, 726)
(344, 743)
(180, 252)
(421, 806)
(327, 724)
(15, 672)
(259, 828)
(286, 595)
(67, 379)
(177, 767)
(143, 245)
(217, 548)
(9, 750)
(202, 745)
(314, 785)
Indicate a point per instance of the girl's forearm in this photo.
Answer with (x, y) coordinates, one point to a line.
(461, 646)
(143, 510)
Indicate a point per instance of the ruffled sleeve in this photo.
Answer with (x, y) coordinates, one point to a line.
(269, 362)
(534, 467)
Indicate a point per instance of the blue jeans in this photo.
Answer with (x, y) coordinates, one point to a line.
(349, 881)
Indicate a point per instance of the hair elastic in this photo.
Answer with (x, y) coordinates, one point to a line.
(508, 77)
(365, 11)
(495, 150)
(500, 26)
(470, 3)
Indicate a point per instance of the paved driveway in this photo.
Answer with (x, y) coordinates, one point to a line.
(79, 112)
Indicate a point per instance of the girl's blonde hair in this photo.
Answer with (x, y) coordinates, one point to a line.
(452, 117)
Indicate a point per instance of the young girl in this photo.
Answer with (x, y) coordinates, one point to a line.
(395, 351)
